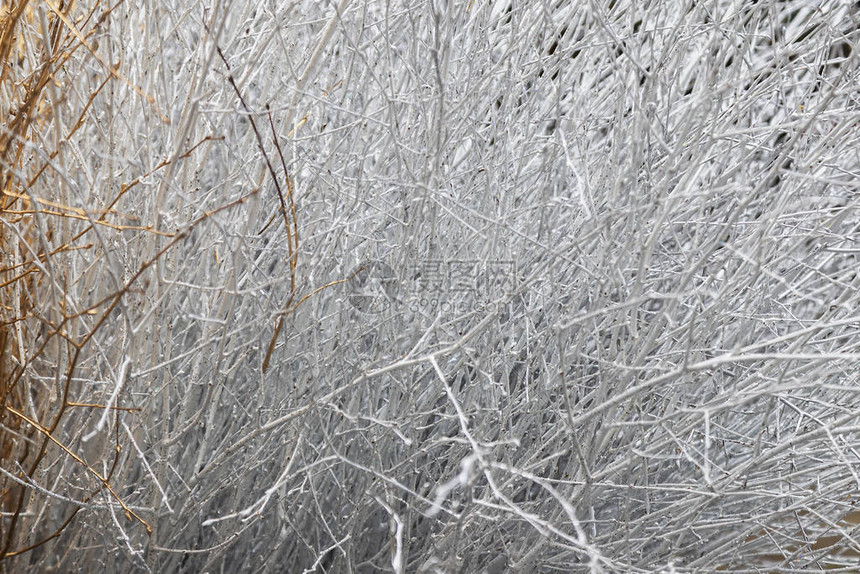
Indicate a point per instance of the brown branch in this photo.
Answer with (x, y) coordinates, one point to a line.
(129, 513)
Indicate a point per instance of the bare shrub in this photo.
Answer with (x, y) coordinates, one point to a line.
(429, 286)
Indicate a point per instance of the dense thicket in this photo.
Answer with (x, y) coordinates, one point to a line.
(429, 286)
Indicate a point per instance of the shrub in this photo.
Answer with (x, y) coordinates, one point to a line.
(429, 287)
